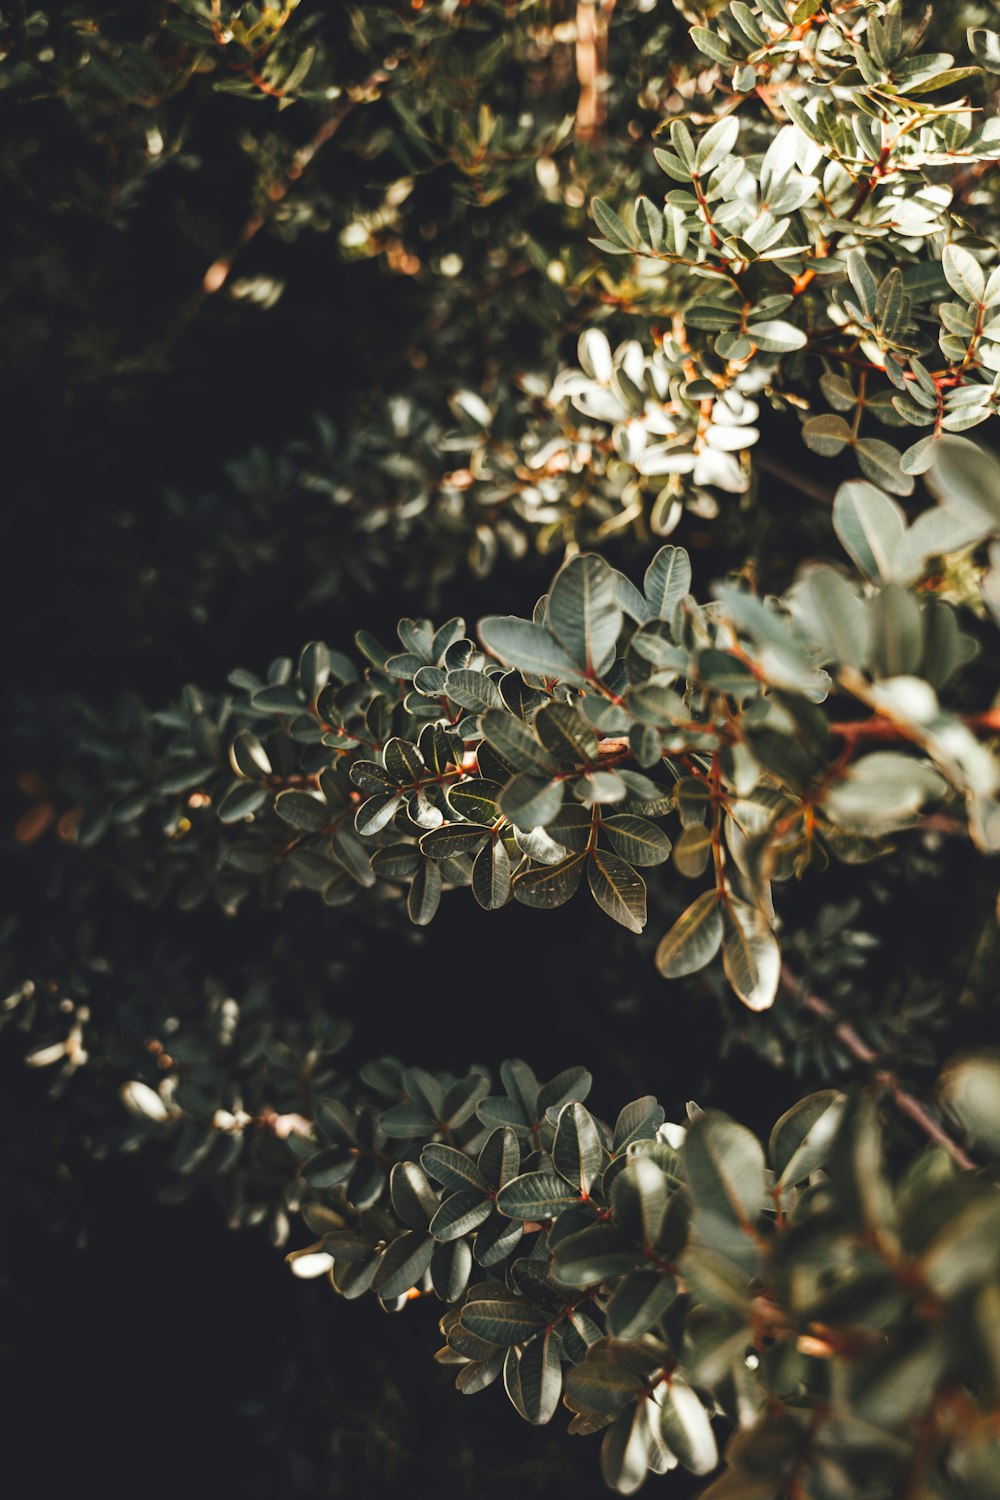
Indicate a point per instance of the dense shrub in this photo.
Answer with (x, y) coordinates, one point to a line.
(405, 309)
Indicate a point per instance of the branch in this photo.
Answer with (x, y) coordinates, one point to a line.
(855, 1044)
(219, 272)
(793, 477)
(883, 728)
(592, 19)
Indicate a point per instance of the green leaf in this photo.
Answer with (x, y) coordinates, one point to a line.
(879, 462)
(919, 457)
(584, 613)
(693, 850)
(966, 479)
(708, 42)
(241, 801)
(408, 1121)
(403, 1264)
(599, 1253)
(452, 1168)
(516, 742)
(451, 1263)
(552, 886)
(637, 839)
(667, 581)
(750, 954)
(892, 1390)
(571, 1086)
(533, 1379)
(639, 1300)
(375, 813)
(453, 839)
(827, 435)
(314, 669)
(864, 283)
(371, 777)
(870, 527)
(403, 762)
(726, 674)
(606, 1380)
(639, 1200)
(601, 787)
(694, 939)
(724, 1166)
(802, 1139)
(985, 46)
(491, 876)
(528, 647)
(425, 893)
(944, 80)
(473, 691)
(569, 740)
(618, 889)
(775, 336)
(713, 1279)
(279, 698)
(969, 1089)
(882, 791)
(248, 757)
(611, 226)
(577, 1153)
(716, 144)
(396, 863)
(638, 1121)
(966, 1249)
(502, 1323)
(460, 1213)
(686, 1428)
(835, 617)
(965, 275)
(475, 799)
(897, 632)
(529, 802)
(302, 810)
(649, 222)
(496, 1240)
(413, 1199)
(535, 1195)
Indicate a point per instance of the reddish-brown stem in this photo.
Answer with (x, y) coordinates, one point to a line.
(855, 1044)
(792, 477)
(865, 189)
(882, 728)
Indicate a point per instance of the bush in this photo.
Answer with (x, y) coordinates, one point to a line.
(769, 747)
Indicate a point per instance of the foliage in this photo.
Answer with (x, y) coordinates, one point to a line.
(520, 768)
(796, 246)
(831, 1300)
(628, 272)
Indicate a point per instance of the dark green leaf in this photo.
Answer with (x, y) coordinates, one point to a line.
(535, 1195)
(617, 889)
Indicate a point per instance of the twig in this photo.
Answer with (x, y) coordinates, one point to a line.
(219, 272)
(850, 1040)
(792, 477)
(883, 728)
(592, 19)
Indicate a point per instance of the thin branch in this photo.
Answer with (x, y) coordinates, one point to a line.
(855, 1044)
(793, 477)
(592, 20)
(882, 728)
(219, 272)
